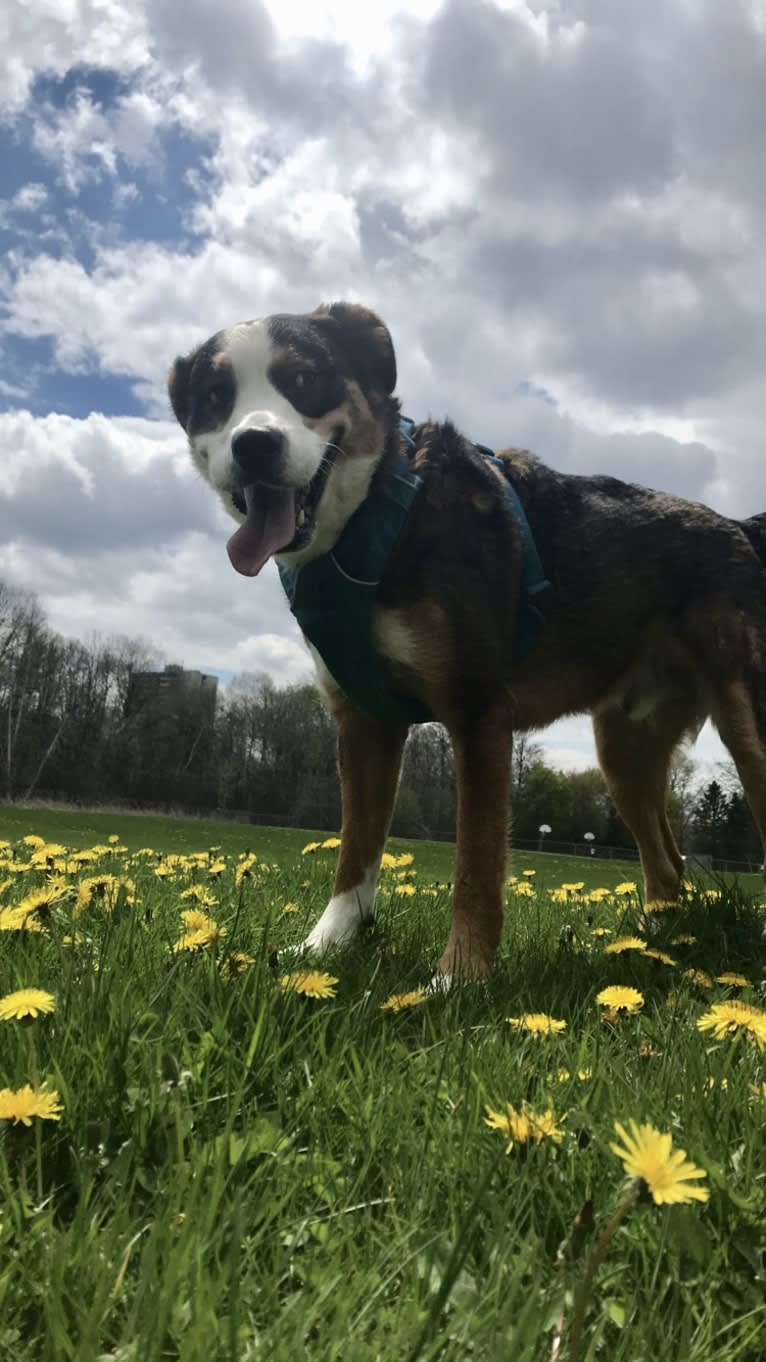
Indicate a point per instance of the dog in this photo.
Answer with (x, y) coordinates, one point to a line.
(653, 613)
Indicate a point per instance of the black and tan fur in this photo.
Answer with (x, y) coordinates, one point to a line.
(655, 620)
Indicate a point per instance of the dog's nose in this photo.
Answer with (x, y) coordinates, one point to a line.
(259, 454)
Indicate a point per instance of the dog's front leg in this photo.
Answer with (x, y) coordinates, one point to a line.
(483, 764)
(369, 758)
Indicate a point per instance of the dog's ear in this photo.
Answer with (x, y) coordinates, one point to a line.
(366, 339)
(178, 387)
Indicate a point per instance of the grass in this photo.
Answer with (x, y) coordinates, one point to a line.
(241, 1172)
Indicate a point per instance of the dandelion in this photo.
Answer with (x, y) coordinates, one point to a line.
(573, 888)
(32, 840)
(537, 1024)
(309, 847)
(625, 943)
(387, 861)
(684, 939)
(620, 999)
(524, 1127)
(698, 977)
(648, 1154)
(735, 1017)
(660, 905)
(524, 890)
(26, 1002)
(217, 867)
(20, 1105)
(627, 887)
(312, 983)
(582, 1075)
(759, 1090)
(198, 893)
(113, 839)
(398, 1001)
(732, 980)
(652, 954)
(201, 931)
(243, 870)
(330, 843)
(530, 873)
(290, 908)
(236, 964)
(598, 895)
(406, 858)
(601, 931)
(407, 889)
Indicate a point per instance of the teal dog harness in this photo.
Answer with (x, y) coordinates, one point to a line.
(333, 596)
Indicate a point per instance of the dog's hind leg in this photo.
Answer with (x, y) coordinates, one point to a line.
(635, 756)
(736, 715)
(369, 759)
(483, 764)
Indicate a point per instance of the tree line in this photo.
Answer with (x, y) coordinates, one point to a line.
(69, 732)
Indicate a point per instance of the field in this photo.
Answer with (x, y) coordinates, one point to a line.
(222, 1167)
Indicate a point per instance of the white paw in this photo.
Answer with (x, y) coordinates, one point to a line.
(338, 924)
(439, 983)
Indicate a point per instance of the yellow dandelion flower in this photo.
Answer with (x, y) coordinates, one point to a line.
(408, 889)
(290, 908)
(243, 870)
(313, 983)
(387, 861)
(530, 873)
(19, 920)
(112, 839)
(524, 890)
(573, 888)
(660, 905)
(601, 931)
(40, 900)
(234, 965)
(662, 956)
(398, 1001)
(733, 1018)
(526, 1126)
(759, 1090)
(698, 977)
(21, 1105)
(405, 874)
(647, 1051)
(406, 858)
(330, 843)
(712, 894)
(199, 893)
(32, 840)
(620, 999)
(537, 1024)
(648, 1154)
(598, 895)
(583, 1075)
(625, 943)
(309, 847)
(627, 887)
(217, 867)
(685, 939)
(26, 1002)
(732, 980)
(201, 931)
(559, 895)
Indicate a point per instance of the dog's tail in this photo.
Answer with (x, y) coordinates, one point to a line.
(755, 529)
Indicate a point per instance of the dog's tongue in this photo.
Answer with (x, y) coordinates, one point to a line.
(270, 525)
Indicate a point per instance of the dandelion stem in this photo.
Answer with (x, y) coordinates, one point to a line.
(595, 1259)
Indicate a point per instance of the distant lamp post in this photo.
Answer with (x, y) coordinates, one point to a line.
(589, 838)
(543, 830)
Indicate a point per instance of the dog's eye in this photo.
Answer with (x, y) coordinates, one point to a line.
(217, 396)
(305, 380)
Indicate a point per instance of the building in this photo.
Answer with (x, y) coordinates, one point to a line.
(174, 691)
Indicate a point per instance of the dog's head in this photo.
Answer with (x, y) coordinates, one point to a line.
(287, 418)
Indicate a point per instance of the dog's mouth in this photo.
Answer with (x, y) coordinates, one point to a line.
(278, 518)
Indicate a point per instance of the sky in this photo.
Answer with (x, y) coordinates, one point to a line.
(558, 208)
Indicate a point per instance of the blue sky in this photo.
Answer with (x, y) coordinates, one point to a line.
(553, 205)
